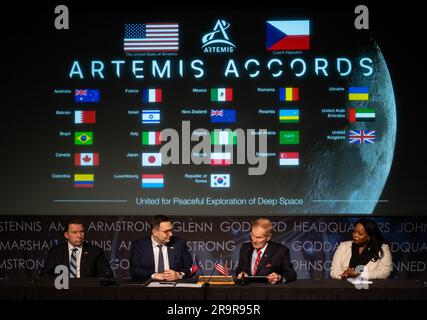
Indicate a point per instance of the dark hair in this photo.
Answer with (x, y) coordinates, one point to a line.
(157, 220)
(375, 238)
(73, 221)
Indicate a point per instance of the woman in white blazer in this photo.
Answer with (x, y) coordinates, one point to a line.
(367, 251)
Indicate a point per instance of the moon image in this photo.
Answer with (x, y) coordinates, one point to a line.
(349, 178)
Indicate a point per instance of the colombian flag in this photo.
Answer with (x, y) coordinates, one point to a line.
(83, 180)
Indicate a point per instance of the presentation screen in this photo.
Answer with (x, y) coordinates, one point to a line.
(281, 111)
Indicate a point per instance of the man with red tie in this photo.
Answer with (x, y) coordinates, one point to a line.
(262, 257)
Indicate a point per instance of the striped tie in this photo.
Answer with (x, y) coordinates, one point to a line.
(258, 258)
(73, 263)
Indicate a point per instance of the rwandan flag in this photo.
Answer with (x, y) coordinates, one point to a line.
(289, 115)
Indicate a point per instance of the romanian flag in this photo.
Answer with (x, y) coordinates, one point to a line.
(358, 94)
(289, 94)
(222, 94)
(83, 180)
(152, 95)
(289, 115)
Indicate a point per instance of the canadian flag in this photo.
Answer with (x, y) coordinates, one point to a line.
(86, 159)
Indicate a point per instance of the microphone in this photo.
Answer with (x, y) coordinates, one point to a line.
(206, 284)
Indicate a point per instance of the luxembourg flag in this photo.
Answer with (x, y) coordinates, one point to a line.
(152, 95)
(288, 35)
(152, 181)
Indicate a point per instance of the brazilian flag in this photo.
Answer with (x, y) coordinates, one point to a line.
(83, 138)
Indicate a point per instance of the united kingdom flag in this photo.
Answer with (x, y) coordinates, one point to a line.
(361, 136)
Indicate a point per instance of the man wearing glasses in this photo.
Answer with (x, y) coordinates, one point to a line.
(160, 256)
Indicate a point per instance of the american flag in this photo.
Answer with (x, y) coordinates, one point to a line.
(221, 269)
(154, 37)
(361, 136)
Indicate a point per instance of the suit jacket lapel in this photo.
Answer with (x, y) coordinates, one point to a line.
(83, 260)
(264, 259)
(171, 256)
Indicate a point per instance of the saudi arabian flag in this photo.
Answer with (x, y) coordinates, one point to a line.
(151, 138)
(289, 137)
(222, 94)
(223, 137)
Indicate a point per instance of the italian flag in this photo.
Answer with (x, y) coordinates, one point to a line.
(151, 138)
(223, 137)
(222, 94)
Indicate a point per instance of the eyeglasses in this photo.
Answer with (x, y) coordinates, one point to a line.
(165, 231)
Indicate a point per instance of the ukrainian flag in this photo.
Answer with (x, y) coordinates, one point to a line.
(358, 93)
(289, 115)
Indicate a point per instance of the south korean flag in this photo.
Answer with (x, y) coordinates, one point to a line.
(220, 180)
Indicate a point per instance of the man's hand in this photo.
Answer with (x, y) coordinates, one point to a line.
(274, 278)
(242, 275)
(171, 275)
(168, 275)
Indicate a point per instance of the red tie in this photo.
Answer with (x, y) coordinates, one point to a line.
(258, 258)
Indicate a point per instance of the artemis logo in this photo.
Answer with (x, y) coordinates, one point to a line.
(218, 41)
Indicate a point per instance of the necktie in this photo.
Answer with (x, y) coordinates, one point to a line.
(258, 258)
(161, 264)
(73, 263)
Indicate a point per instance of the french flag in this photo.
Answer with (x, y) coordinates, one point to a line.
(288, 35)
(152, 95)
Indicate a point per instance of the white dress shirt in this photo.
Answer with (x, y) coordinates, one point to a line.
(78, 256)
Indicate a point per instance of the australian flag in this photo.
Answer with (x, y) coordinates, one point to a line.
(86, 95)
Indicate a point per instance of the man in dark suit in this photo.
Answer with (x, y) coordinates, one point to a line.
(160, 256)
(82, 259)
(263, 257)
